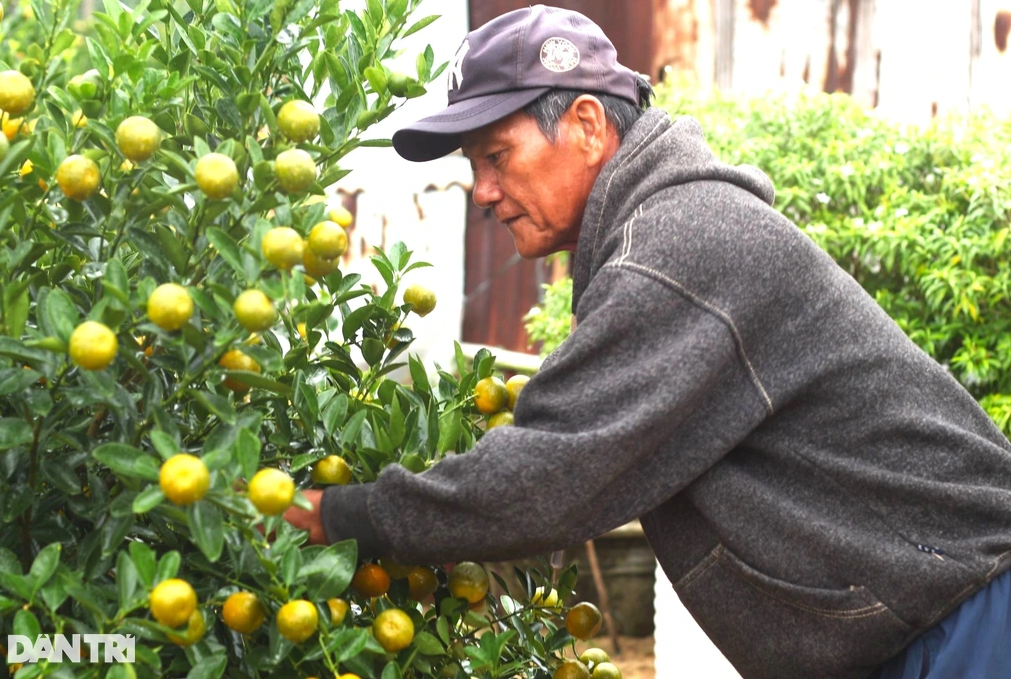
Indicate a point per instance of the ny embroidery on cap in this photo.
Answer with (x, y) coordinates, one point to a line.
(456, 67)
(559, 55)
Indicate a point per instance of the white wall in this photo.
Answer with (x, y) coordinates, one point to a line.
(422, 204)
(681, 648)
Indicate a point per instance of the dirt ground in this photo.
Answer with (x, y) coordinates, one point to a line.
(636, 658)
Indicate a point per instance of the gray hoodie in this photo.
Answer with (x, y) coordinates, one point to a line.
(818, 489)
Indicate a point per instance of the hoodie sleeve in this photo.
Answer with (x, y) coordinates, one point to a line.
(648, 393)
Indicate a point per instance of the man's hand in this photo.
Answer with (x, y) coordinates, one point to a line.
(308, 520)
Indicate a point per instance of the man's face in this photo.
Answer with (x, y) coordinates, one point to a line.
(536, 187)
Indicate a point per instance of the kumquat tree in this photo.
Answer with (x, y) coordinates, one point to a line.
(181, 353)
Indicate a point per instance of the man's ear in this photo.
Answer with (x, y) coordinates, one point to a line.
(590, 128)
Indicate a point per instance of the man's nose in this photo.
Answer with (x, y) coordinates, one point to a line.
(487, 191)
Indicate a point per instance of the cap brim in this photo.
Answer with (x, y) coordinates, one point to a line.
(438, 135)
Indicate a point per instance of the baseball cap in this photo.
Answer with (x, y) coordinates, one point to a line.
(508, 63)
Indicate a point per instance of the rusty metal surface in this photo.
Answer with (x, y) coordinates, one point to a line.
(761, 9)
(1001, 29)
(842, 58)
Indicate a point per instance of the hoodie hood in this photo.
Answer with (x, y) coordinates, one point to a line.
(656, 154)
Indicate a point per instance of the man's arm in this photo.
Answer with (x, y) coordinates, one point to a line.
(308, 519)
(644, 397)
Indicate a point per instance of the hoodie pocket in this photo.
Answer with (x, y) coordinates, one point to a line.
(771, 628)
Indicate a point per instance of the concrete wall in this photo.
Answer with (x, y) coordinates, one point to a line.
(911, 58)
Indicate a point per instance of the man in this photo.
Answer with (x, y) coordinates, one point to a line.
(821, 493)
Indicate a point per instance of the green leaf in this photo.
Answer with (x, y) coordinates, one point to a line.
(168, 566)
(258, 381)
(227, 248)
(269, 358)
(373, 350)
(14, 432)
(44, 566)
(206, 529)
(247, 451)
(418, 375)
(462, 366)
(302, 461)
(164, 444)
(330, 572)
(305, 401)
(9, 562)
(16, 304)
(418, 25)
(398, 428)
(218, 458)
(113, 9)
(26, 624)
(399, 255)
(113, 532)
(17, 585)
(115, 281)
(63, 477)
(354, 321)
(334, 412)
(171, 247)
(346, 644)
(396, 8)
(122, 672)
(428, 644)
(484, 363)
(127, 461)
(442, 627)
(413, 463)
(291, 563)
(13, 348)
(392, 671)
(147, 499)
(144, 561)
(99, 58)
(333, 175)
(218, 405)
(350, 432)
(450, 426)
(126, 580)
(61, 314)
(376, 78)
(209, 667)
(18, 500)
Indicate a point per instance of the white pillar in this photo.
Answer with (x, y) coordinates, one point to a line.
(681, 648)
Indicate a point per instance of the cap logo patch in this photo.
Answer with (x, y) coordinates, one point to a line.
(559, 55)
(456, 67)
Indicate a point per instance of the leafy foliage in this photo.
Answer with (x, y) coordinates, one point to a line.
(87, 530)
(550, 321)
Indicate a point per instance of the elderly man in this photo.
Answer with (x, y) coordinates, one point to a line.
(826, 499)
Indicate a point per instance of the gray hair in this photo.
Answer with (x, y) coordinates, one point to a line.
(621, 113)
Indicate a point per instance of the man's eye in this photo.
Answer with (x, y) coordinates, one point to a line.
(493, 158)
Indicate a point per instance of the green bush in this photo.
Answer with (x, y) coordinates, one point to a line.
(918, 216)
(151, 429)
(549, 322)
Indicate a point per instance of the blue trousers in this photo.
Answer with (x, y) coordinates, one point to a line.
(973, 642)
